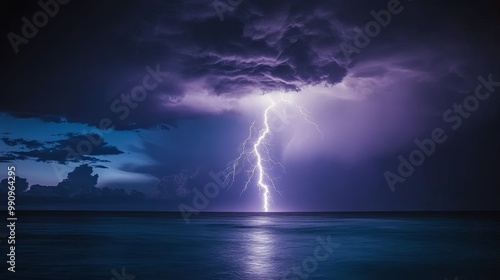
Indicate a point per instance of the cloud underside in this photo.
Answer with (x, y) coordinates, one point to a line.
(259, 47)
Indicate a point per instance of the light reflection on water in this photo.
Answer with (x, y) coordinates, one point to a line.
(259, 248)
(255, 247)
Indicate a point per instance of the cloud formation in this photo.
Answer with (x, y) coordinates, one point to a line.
(259, 49)
(78, 186)
(59, 151)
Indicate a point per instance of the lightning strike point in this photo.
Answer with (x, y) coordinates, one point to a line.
(257, 153)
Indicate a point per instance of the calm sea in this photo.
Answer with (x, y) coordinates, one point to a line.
(135, 246)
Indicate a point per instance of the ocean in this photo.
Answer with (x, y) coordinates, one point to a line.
(254, 246)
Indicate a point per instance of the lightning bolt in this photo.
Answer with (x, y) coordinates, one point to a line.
(304, 113)
(257, 154)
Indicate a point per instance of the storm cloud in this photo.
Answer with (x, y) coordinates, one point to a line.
(260, 47)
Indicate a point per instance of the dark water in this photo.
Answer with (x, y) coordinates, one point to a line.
(254, 246)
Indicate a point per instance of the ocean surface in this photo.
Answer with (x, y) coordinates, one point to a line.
(135, 246)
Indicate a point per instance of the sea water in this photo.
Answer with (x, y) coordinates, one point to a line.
(254, 246)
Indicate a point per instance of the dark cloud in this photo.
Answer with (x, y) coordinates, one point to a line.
(30, 144)
(79, 186)
(255, 49)
(99, 146)
(260, 46)
(74, 148)
(10, 157)
(21, 185)
(79, 181)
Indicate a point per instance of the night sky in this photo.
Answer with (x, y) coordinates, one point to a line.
(155, 97)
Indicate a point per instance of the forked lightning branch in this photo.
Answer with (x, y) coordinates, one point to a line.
(256, 152)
